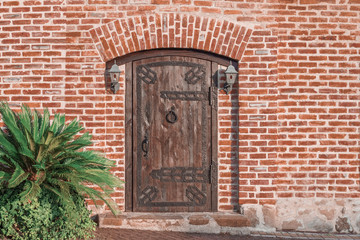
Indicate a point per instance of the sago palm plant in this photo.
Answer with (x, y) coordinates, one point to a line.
(38, 154)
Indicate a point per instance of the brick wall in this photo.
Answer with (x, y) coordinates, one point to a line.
(294, 119)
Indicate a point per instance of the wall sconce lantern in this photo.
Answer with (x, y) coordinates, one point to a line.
(114, 76)
(231, 75)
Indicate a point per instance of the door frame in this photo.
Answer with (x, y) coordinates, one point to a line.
(129, 148)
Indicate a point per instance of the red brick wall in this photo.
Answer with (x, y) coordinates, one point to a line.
(296, 111)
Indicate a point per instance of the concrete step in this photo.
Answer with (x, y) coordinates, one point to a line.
(233, 223)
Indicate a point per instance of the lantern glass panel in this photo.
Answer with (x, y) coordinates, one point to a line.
(230, 78)
(114, 77)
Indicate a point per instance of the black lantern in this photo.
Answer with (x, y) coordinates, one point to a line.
(114, 73)
(231, 75)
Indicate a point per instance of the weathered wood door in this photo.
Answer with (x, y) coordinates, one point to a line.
(173, 129)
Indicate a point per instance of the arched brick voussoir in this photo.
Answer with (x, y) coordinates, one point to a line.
(170, 30)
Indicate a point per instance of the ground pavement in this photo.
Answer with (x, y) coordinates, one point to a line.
(127, 234)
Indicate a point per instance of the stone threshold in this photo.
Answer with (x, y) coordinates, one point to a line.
(306, 235)
(211, 222)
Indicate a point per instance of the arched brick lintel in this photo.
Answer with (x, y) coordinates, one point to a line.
(170, 30)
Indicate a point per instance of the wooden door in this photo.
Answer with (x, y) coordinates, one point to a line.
(172, 134)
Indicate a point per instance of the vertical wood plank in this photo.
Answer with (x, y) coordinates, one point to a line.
(135, 183)
(128, 138)
(214, 138)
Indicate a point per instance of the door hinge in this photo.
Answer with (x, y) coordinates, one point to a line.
(212, 173)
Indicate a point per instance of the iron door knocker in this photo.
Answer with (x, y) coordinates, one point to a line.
(145, 146)
(171, 117)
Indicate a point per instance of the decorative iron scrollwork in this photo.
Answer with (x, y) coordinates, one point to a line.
(145, 74)
(148, 195)
(171, 117)
(180, 174)
(184, 96)
(195, 195)
(195, 74)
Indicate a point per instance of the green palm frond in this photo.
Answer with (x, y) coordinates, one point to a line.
(25, 118)
(58, 193)
(37, 154)
(11, 119)
(31, 190)
(44, 125)
(6, 146)
(83, 141)
(4, 177)
(71, 129)
(57, 124)
(96, 195)
(18, 176)
(3, 160)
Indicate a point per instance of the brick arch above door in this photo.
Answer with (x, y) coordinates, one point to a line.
(170, 30)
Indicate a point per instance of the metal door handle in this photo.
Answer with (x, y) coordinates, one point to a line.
(145, 146)
(171, 117)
